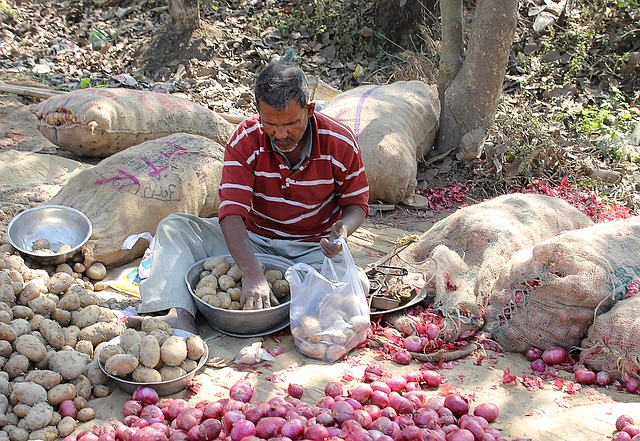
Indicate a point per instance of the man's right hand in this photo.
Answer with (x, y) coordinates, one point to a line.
(255, 293)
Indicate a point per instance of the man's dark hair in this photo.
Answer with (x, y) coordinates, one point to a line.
(279, 83)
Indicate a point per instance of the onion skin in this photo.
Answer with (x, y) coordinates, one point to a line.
(554, 355)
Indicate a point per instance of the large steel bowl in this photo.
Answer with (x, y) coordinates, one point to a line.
(240, 323)
(58, 224)
(163, 388)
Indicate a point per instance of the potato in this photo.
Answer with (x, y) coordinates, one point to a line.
(21, 326)
(44, 377)
(7, 333)
(16, 366)
(85, 414)
(18, 434)
(171, 372)
(7, 294)
(272, 275)
(203, 291)
(39, 416)
(311, 349)
(96, 271)
(149, 352)
(189, 365)
(195, 347)
(161, 335)
(52, 331)
(225, 299)
(213, 262)
(101, 332)
(92, 314)
(70, 302)
(212, 300)
(235, 273)
(235, 306)
(61, 392)
(30, 393)
(5, 348)
(235, 294)
(225, 282)
(144, 374)
(280, 288)
(42, 305)
(121, 365)
(61, 316)
(101, 391)
(66, 426)
(95, 375)
(209, 281)
(49, 433)
(31, 347)
(173, 351)
(71, 335)
(60, 282)
(20, 311)
(84, 346)
(130, 337)
(70, 364)
(335, 352)
(149, 324)
(83, 387)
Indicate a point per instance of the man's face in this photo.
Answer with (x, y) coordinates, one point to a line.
(285, 127)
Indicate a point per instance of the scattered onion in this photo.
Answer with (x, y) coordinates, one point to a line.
(554, 355)
(585, 376)
(532, 353)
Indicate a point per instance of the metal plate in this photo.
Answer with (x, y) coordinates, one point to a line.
(420, 296)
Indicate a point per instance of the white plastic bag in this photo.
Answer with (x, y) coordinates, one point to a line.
(329, 314)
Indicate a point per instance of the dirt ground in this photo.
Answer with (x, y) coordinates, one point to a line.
(550, 412)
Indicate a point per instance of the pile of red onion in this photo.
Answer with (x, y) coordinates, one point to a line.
(626, 429)
(541, 360)
(380, 409)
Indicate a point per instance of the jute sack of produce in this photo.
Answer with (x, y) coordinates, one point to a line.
(97, 123)
(396, 126)
(131, 191)
(549, 294)
(612, 343)
(461, 256)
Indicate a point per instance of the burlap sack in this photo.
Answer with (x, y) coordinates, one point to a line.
(396, 126)
(613, 341)
(97, 123)
(131, 191)
(549, 294)
(461, 255)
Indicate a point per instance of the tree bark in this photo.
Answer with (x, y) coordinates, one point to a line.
(471, 98)
(184, 16)
(452, 53)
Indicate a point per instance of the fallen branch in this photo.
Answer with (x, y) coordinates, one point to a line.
(433, 357)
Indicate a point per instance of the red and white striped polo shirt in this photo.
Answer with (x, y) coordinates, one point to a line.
(279, 203)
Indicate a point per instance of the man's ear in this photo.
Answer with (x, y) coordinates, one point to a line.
(311, 109)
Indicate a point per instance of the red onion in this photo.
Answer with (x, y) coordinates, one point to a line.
(325, 418)
(474, 427)
(397, 383)
(231, 404)
(380, 399)
(68, 408)
(269, 427)
(362, 393)
(532, 353)
(621, 436)
(488, 411)
(188, 418)
(384, 425)
(456, 404)
(88, 437)
(140, 423)
(241, 391)
(326, 402)
(179, 435)
(131, 407)
(460, 435)
(413, 376)
(316, 433)
(380, 385)
(342, 411)
(294, 428)
(538, 365)
(402, 357)
(400, 404)
(389, 412)
(631, 429)
(162, 427)
(632, 384)
(256, 411)
(295, 390)
(431, 378)
(152, 413)
(240, 430)
(363, 417)
(229, 419)
(333, 389)
(146, 395)
(175, 406)
(414, 343)
(585, 376)
(554, 355)
(148, 434)
(603, 378)
(622, 421)
(426, 418)
(432, 331)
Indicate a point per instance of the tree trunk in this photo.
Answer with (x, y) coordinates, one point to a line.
(452, 53)
(471, 98)
(184, 16)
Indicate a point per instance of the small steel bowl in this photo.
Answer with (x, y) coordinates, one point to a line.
(241, 323)
(163, 388)
(59, 224)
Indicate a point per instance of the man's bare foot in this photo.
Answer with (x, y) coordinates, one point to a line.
(177, 318)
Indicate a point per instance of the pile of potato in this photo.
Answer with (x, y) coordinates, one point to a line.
(152, 354)
(220, 284)
(51, 327)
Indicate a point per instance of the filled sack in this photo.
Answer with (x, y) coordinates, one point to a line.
(97, 123)
(460, 257)
(396, 126)
(131, 191)
(549, 294)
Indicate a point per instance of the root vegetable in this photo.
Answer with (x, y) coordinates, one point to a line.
(173, 351)
(554, 355)
(456, 404)
(241, 391)
(488, 411)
